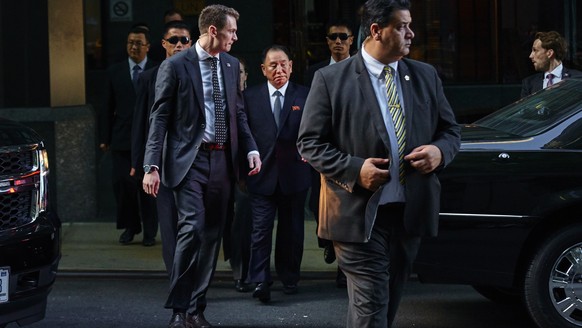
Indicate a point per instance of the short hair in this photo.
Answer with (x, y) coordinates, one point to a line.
(553, 40)
(380, 12)
(172, 12)
(140, 29)
(215, 15)
(275, 47)
(339, 23)
(175, 24)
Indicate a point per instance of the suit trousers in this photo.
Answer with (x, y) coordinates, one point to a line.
(168, 219)
(202, 201)
(290, 212)
(377, 271)
(240, 235)
(125, 189)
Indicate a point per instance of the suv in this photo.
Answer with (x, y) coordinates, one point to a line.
(30, 241)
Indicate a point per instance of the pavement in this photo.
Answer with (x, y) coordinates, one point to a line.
(92, 248)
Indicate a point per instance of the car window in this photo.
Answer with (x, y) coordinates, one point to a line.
(537, 113)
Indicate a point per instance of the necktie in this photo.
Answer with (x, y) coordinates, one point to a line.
(219, 117)
(277, 107)
(397, 118)
(135, 75)
(550, 79)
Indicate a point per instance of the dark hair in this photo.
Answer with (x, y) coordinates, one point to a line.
(215, 15)
(339, 23)
(380, 12)
(275, 47)
(140, 29)
(175, 24)
(171, 12)
(553, 40)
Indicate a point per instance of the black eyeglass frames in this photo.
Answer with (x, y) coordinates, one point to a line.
(176, 39)
(342, 36)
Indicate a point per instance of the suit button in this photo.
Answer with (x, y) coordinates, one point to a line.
(203, 125)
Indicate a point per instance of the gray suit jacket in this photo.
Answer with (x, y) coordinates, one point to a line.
(342, 126)
(178, 115)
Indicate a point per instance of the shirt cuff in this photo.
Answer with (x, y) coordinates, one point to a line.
(253, 152)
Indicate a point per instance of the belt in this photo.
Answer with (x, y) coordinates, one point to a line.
(213, 146)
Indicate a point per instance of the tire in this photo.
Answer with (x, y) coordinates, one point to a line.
(499, 295)
(553, 280)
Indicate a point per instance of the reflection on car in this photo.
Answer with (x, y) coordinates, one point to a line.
(30, 243)
(511, 208)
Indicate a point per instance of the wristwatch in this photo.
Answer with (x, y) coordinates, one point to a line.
(149, 168)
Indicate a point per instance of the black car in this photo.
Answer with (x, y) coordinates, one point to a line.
(511, 208)
(30, 241)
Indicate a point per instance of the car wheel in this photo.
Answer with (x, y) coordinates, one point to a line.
(507, 296)
(553, 281)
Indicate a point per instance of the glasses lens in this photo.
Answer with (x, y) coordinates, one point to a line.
(135, 43)
(334, 36)
(176, 39)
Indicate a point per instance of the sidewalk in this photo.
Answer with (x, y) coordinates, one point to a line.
(93, 248)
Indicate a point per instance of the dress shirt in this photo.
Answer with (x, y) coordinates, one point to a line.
(206, 72)
(273, 97)
(141, 65)
(393, 191)
(557, 75)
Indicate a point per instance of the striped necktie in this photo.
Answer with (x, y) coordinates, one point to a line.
(550, 79)
(397, 118)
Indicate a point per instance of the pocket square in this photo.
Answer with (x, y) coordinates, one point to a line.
(294, 108)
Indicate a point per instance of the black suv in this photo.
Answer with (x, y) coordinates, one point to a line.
(30, 241)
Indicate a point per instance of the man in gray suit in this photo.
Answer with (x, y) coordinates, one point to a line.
(378, 127)
(197, 129)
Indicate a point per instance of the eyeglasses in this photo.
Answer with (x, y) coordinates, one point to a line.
(334, 36)
(136, 43)
(176, 39)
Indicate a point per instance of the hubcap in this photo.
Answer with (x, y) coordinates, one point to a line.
(566, 285)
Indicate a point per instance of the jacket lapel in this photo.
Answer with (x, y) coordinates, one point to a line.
(193, 69)
(406, 86)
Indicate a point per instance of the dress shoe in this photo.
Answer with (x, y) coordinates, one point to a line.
(127, 236)
(328, 254)
(198, 321)
(179, 320)
(262, 292)
(242, 286)
(147, 242)
(340, 280)
(290, 289)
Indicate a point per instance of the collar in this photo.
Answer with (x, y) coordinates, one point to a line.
(202, 54)
(375, 67)
(141, 64)
(272, 88)
(333, 61)
(557, 71)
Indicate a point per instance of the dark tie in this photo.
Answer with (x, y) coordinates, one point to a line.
(135, 75)
(397, 118)
(219, 119)
(550, 79)
(277, 107)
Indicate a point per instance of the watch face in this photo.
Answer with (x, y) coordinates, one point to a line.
(147, 168)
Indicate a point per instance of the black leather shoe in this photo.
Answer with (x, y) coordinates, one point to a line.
(198, 321)
(262, 292)
(328, 254)
(290, 289)
(340, 280)
(178, 320)
(127, 236)
(147, 242)
(242, 287)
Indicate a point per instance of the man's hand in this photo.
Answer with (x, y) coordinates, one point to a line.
(425, 158)
(151, 183)
(254, 164)
(374, 173)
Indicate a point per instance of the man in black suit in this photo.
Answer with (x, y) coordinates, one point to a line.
(198, 130)
(378, 127)
(547, 52)
(115, 135)
(339, 40)
(274, 111)
(176, 38)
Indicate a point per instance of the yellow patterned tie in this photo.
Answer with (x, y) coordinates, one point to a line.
(397, 118)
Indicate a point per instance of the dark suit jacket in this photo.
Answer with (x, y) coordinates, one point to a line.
(146, 89)
(115, 123)
(282, 163)
(342, 126)
(535, 82)
(178, 112)
(312, 69)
